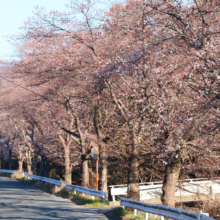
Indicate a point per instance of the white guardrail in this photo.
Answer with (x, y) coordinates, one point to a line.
(164, 211)
(154, 189)
(92, 192)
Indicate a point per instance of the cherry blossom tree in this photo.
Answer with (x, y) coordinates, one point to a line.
(141, 81)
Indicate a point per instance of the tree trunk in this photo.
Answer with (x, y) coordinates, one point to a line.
(133, 173)
(68, 166)
(20, 165)
(20, 161)
(42, 163)
(172, 172)
(104, 171)
(29, 162)
(67, 162)
(29, 170)
(2, 163)
(85, 167)
(103, 156)
(85, 174)
(10, 159)
(133, 179)
(46, 169)
(2, 159)
(92, 179)
(34, 164)
(84, 164)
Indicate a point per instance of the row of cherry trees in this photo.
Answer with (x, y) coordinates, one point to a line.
(141, 80)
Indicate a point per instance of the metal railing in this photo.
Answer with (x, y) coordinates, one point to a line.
(163, 211)
(187, 187)
(92, 192)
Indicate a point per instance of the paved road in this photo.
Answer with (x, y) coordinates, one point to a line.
(21, 201)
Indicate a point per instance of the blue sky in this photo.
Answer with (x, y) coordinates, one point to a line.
(12, 15)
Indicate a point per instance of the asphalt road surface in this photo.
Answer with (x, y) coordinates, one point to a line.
(21, 201)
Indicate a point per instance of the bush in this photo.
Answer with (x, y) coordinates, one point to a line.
(213, 208)
(25, 179)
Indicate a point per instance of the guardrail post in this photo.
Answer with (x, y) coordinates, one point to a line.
(104, 197)
(135, 212)
(162, 218)
(212, 192)
(74, 192)
(113, 198)
(146, 216)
